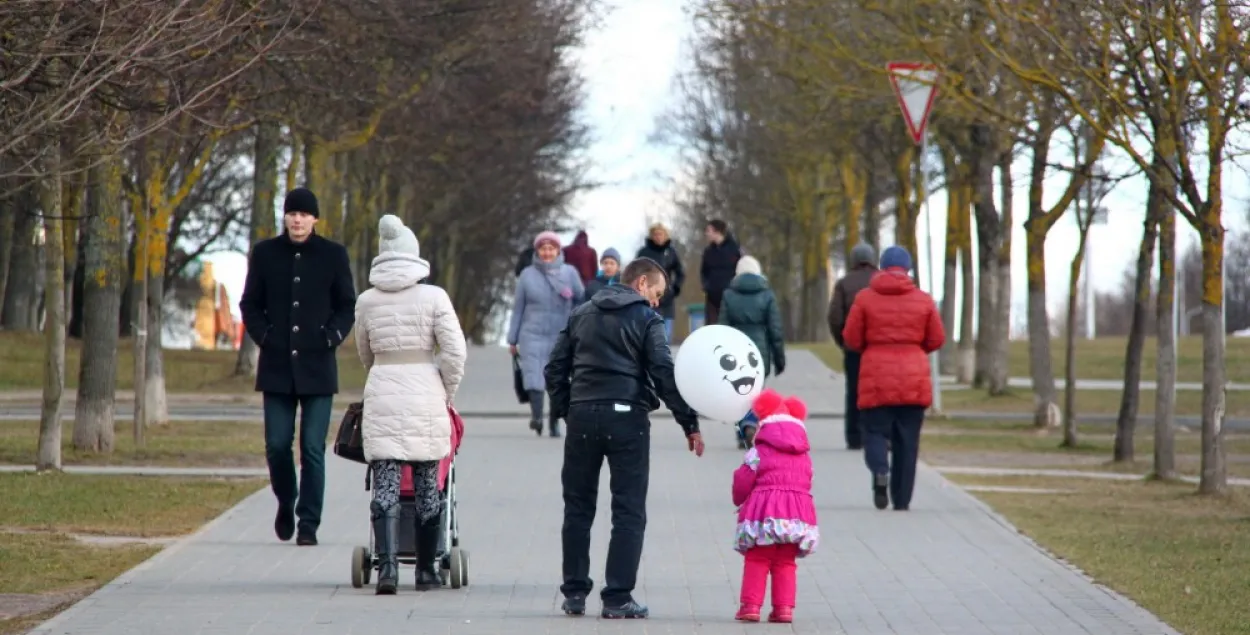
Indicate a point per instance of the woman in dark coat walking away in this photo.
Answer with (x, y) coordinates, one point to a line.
(895, 326)
(751, 307)
(659, 247)
(609, 273)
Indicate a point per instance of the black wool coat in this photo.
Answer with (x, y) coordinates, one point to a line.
(298, 305)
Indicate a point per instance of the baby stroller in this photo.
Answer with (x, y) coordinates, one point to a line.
(453, 560)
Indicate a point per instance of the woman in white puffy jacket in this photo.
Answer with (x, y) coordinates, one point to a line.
(399, 325)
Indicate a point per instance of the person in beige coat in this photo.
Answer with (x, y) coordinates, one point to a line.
(399, 326)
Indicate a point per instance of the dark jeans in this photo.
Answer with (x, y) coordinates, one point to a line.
(595, 432)
(314, 422)
(900, 426)
(853, 426)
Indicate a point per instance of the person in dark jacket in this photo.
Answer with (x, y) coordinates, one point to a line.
(524, 260)
(863, 267)
(609, 273)
(720, 263)
(659, 247)
(298, 305)
(582, 257)
(751, 307)
(895, 326)
(605, 371)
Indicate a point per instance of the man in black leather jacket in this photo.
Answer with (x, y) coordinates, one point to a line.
(611, 366)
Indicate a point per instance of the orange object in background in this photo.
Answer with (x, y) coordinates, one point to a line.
(215, 327)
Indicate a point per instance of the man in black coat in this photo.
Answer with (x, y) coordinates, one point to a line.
(659, 247)
(719, 266)
(298, 305)
(604, 373)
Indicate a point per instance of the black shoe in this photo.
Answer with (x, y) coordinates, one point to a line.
(386, 542)
(574, 605)
(536, 426)
(553, 428)
(306, 539)
(880, 491)
(427, 554)
(630, 610)
(855, 446)
(284, 524)
(900, 508)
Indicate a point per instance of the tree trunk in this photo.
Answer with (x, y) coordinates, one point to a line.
(8, 222)
(156, 402)
(968, 295)
(947, 357)
(1040, 372)
(20, 292)
(264, 182)
(1214, 476)
(1002, 303)
(103, 273)
(1126, 420)
(48, 456)
(1165, 368)
(1069, 361)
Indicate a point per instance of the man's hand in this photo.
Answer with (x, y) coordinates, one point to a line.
(695, 443)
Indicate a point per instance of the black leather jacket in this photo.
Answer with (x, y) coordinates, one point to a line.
(613, 349)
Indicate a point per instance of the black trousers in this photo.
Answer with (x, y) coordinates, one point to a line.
(852, 423)
(622, 435)
(900, 426)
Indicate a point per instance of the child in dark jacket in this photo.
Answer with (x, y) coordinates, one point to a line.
(776, 515)
(609, 273)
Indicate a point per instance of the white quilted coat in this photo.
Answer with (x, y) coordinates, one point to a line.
(405, 415)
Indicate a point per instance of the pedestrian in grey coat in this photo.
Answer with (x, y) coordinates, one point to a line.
(546, 293)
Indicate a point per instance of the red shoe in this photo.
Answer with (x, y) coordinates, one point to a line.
(782, 614)
(748, 613)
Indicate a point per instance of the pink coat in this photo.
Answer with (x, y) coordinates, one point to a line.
(773, 489)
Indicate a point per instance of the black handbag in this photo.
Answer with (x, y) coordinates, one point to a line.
(348, 442)
(518, 381)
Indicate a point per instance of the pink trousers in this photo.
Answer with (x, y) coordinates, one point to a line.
(777, 560)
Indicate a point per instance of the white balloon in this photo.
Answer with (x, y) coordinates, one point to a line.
(719, 372)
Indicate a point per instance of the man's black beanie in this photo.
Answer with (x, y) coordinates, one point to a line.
(301, 199)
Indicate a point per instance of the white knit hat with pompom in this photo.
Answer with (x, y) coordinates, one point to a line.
(393, 236)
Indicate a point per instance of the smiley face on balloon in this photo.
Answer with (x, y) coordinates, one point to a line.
(742, 374)
(719, 372)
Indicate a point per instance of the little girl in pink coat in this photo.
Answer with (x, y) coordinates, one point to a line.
(776, 516)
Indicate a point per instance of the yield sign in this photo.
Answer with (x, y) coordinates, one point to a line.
(915, 85)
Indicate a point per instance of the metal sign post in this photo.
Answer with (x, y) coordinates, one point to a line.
(915, 87)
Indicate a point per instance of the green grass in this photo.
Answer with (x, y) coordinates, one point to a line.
(176, 444)
(1103, 358)
(1181, 556)
(1096, 402)
(185, 371)
(52, 569)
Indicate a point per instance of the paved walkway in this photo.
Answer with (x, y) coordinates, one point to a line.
(949, 566)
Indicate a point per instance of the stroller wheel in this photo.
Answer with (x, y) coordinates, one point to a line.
(464, 567)
(457, 568)
(360, 567)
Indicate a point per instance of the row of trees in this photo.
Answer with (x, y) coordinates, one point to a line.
(792, 133)
(135, 137)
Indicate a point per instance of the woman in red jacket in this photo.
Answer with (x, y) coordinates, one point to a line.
(894, 325)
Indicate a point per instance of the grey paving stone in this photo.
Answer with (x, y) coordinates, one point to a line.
(949, 566)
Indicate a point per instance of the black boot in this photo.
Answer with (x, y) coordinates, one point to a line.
(553, 427)
(386, 544)
(427, 553)
(881, 491)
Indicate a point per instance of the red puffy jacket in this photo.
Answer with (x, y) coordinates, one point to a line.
(895, 326)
